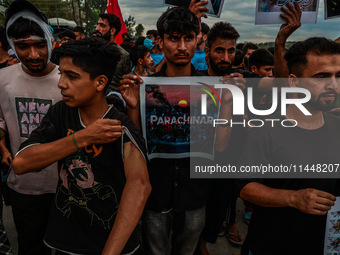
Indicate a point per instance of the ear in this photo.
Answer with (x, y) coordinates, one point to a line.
(207, 51)
(160, 42)
(205, 37)
(0, 44)
(140, 61)
(253, 69)
(113, 32)
(100, 82)
(293, 81)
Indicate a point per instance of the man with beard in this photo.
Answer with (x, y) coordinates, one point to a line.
(108, 27)
(28, 90)
(176, 207)
(289, 216)
(199, 58)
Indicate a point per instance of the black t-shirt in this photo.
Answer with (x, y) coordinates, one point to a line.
(287, 230)
(170, 179)
(91, 182)
(3, 64)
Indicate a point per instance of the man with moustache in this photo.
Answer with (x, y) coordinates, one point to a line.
(108, 27)
(289, 215)
(28, 90)
(176, 207)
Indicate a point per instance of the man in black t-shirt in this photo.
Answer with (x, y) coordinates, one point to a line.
(289, 216)
(103, 179)
(177, 203)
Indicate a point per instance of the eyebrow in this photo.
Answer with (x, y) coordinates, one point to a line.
(321, 73)
(25, 43)
(69, 72)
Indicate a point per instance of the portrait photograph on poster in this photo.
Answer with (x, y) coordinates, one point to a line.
(214, 6)
(268, 11)
(332, 9)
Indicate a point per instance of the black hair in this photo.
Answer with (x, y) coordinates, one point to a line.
(137, 52)
(67, 33)
(240, 46)
(221, 30)
(79, 30)
(154, 32)
(92, 55)
(204, 28)
(271, 50)
(238, 57)
(261, 57)
(23, 27)
(3, 39)
(140, 40)
(113, 21)
(178, 20)
(248, 46)
(127, 44)
(296, 56)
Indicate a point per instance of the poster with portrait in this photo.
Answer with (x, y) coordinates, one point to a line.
(268, 11)
(173, 123)
(332, 9)
(215, 6)
(332, 232)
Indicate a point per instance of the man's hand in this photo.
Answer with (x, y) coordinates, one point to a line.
(129, 88)
(12, 61)
(293, 17)
(312, 201)
(99, 132)
(198, 8)
(234, 79)
(6, 157)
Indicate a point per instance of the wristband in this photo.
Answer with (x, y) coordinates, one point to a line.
(74, 141)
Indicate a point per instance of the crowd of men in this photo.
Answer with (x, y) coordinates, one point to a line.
(80, 181)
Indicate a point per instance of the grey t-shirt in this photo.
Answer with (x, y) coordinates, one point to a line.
(24, 101)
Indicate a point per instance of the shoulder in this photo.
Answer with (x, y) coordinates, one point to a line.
(7, 73)
(331, 120)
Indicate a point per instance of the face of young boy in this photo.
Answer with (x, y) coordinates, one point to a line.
(77, 88)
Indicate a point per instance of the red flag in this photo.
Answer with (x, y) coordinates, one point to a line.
(113, 7)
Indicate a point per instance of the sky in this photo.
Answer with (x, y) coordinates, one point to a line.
(241, 14)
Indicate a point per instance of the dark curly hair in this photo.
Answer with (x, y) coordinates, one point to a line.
(92, 55)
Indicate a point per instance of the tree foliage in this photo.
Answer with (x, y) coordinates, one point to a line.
(130, 23)
(139, 30)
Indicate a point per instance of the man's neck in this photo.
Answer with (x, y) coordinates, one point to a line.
(211, 72)
(49, 68)
(139, 70)
(172, 70)
(314, 121)
(93, 111)
(201, 46)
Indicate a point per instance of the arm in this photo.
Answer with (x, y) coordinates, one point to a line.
(309, 201)
(223, 132)
(37, 157)
(293, 17)
(6, 157)
(135, 194)
(129, 88)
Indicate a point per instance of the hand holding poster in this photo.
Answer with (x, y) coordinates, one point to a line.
(268, 11)
(214, 6)
(172, 121)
